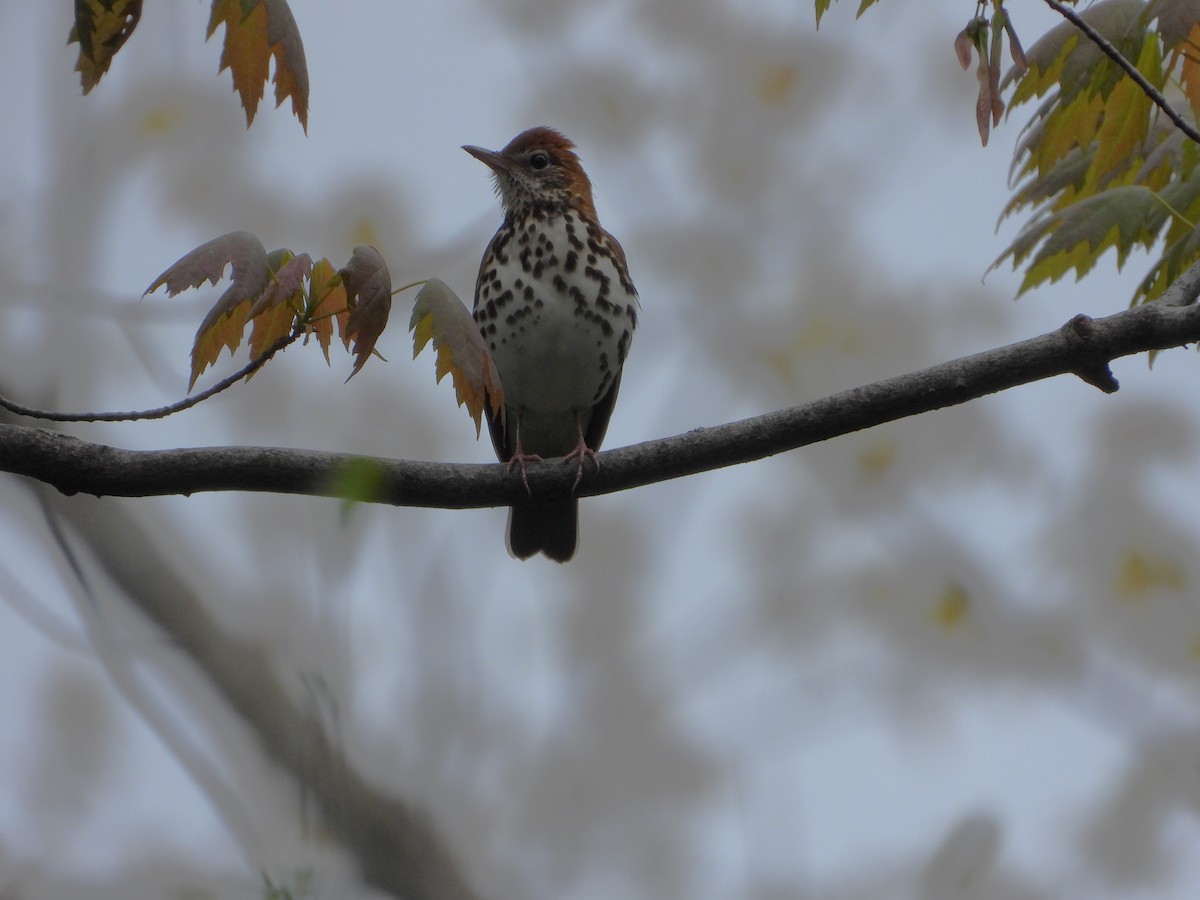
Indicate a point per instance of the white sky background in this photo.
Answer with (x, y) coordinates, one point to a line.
(742, 686)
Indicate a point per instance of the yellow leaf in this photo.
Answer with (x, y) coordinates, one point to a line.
(1125, 122)
(327, 300)
(256, 30)
(101, 29)
(439, 316)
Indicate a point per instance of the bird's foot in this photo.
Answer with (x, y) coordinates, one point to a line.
(520, 460)
(579, 455)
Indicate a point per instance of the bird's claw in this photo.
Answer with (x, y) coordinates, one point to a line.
(581, 453)
(520, 460)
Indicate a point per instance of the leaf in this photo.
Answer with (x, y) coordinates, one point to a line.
(1076, 236)
(250, 275)
(101, 28)
(1063, 58)
(369, 297)
(274, 313)
(256, 30)
(327, 301)
(1189, 73)
(439, 315)
(287, 285)
(822, 8)
(1126, 121)
(241, 249)
(1176, 21)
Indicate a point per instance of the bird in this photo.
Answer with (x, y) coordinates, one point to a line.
(557, 310)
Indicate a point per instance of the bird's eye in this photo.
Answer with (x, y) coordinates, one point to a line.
(539, 159)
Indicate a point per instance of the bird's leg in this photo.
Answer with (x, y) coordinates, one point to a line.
(520, 458)
(581, 452)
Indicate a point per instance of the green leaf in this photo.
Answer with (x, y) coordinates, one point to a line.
(1076, 237)
(1125, 122)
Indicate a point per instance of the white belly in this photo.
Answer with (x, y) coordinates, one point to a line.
(557, 318)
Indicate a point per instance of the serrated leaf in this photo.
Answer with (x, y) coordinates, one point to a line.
(249, 276)
(240, 249)
(101, 28)
(369, 298)
(1126, 120)
(327, 301)
(1066, 128)
(256, 30)
(1189, 72)
(1075, 237)
(1064, 179)
(289, 273)
(1176, 21)
(439, 316)
(822, 8)
(269, 326)
(1064, 59)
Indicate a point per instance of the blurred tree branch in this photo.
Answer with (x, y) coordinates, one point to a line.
(395, 845)
(1083, 347)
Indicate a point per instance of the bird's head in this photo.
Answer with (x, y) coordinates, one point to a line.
(538, 169)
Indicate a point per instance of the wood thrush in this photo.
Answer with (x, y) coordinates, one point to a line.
(557, 309)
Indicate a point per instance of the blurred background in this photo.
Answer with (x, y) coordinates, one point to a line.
(956, 656)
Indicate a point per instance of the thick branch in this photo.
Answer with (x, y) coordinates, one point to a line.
(1082, 347)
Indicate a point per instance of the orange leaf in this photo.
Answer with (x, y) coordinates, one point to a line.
(270, 326)
(101, 28)
(327, 302)
(439, 315)
(368, 287)
(1189, 77)
(256, 30)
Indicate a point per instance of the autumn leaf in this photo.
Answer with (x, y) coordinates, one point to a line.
(256, 30)
(289, 273)
(439, 315)
(101, 28)
(1065, 60)
(327, 301)
(1126, 119)
(274, 313)
(250, 275)
(368, 286)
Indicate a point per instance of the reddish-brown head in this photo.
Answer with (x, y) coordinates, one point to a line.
(539, 169)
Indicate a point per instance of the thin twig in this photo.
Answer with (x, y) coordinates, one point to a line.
(1130, 69)
(160, 412)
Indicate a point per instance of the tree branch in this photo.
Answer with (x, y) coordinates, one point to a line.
(394, 843)
(1083, 347)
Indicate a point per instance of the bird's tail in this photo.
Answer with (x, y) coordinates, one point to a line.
(544, 526)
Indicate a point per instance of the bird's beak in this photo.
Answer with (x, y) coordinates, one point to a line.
(490, 158)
